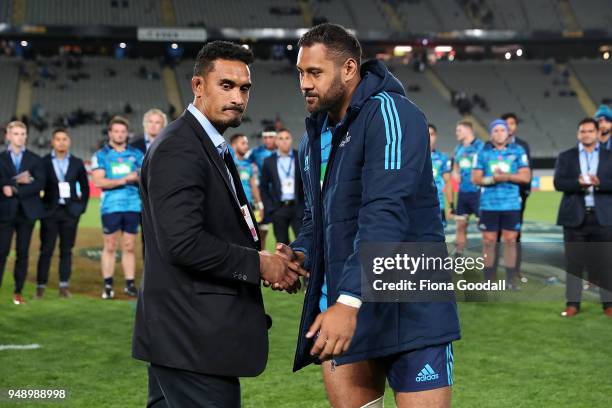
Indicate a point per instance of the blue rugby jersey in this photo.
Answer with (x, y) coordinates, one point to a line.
(117, 165)
(501, 196)
(464, 157)
(440, 164)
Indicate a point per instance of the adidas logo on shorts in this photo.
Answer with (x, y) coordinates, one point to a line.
(427, 374)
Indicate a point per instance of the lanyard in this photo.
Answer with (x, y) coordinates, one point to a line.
(290, 169)
(588, 158)
(61, 167)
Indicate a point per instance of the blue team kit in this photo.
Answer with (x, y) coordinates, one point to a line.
(377, 187)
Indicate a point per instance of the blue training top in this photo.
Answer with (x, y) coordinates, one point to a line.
(464, 157)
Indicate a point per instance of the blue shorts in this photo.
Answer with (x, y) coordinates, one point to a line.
(500, 220)
(124, 221)
(468, 203)
(420, 370)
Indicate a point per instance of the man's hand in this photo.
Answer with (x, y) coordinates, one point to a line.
(132, 177)
(7, 191)
(335, 328)
(500, 177)
(583, 182)
(277, 270)
(594, 180)
(296, 264)
(24, 178)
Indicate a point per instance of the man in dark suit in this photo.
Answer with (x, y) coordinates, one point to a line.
(200, 319)
(22, 178)
(281, 188)
(66, 196)
(584, 175)
(153, 122)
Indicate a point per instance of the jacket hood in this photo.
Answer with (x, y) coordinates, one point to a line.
(375, 78)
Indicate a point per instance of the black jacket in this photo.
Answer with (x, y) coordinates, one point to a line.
(28, 195)
(139, 143)
(270, 187)
(201, 307)
(76, 173)
(572, 208)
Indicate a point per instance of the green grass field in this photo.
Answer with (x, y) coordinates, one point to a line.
(511, 355)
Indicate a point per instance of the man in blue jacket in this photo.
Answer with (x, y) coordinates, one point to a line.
(366, 168)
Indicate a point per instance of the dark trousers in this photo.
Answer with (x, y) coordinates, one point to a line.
(519, 247)
(22, 226)
(173, 388)
(63, 224)
(588, 247)
(283, 218)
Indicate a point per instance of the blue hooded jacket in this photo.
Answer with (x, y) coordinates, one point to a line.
(378, 187)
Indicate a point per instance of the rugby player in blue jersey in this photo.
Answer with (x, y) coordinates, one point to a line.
(257, 156)
(115, 170)
(247, 171)
(500, 168)
(468, 199)
(441, 167)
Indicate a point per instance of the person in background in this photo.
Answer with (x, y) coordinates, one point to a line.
(441, 166)
(500, 167)
(66, 194)
(257, 156)
(247, 171)
(468, 199)
(22, 177)
(524, 189)
(153, 122)
(584, 175)
(603, 116)
(115, 170)
(282, 190)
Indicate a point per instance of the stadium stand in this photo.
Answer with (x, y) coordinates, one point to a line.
(5, 11)
(595, 76)
(592, 14)
(544, 101)
(417, 16)
(275, 94)
(239, 13)
(104, 88)
(99, 12)
(437, 109)
(8, 87)
(323, 9)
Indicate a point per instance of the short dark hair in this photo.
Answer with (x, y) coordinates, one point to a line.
(235, 137)
(338, 40)
(431, 125)
(588, 120)
(118, 120)
(59, 130)
(466, 123)
(509, 115)
(220, 50)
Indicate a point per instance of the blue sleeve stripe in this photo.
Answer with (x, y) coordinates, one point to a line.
(393, 130)
(398, 128)
(384, 115)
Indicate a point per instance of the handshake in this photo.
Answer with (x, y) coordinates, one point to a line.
(282, 270)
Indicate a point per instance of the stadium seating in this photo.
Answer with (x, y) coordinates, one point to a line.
(437, 110)
(100, 93)
(239, 13)
(8, 87)
(5, 11)
(595, 76)
(593, 14)
(99, 12)
(548, 118)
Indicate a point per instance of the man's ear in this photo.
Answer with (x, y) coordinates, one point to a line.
(350, 69)
(197, 86)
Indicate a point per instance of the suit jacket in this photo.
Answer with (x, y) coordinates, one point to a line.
(270, 187)
(201, 307)
(139, 143)
(572, 208)
(28, 195)
(75, 173)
